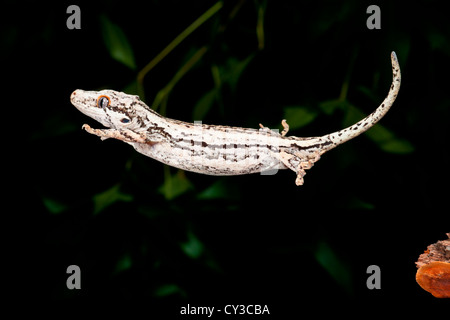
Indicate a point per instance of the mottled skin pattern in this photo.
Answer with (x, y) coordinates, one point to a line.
(211, 149)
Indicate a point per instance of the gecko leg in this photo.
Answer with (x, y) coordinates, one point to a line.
(305, 165)
(285, 127)
(283, 123)
(124, 134)
(299, 180)
(298, 163)
(268, 130)
(308, 164)
(294, 163)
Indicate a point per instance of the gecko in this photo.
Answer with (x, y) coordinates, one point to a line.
(215, 149)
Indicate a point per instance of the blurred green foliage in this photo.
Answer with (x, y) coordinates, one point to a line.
(117, 43)
(337, 269)
(139, 229)
(108, 197)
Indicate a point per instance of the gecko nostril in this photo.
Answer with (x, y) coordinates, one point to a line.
(72, 96)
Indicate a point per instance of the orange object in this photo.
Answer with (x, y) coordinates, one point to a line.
(435, 278)
(434, 269)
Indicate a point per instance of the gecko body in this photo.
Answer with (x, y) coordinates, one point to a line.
(213, 149)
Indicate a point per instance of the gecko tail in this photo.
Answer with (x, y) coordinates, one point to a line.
(339, 137)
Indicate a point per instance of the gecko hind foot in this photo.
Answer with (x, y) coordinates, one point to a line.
(283, 123)
(305, 165)
(299, 180)
(285, 127)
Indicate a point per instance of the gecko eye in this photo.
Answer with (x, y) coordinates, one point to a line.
(125, 120)
(103, 102)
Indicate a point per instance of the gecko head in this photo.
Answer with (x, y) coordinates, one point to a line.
(113, 109)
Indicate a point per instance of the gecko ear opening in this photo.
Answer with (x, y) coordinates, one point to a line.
(103, 102)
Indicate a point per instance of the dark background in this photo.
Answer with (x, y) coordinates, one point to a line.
(143, 232)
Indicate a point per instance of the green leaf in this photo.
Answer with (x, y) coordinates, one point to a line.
(235, 69)
(163, 94)
(131, 88)
(336, 268)
(124, 263)
(54, 206)
(383, 137)
(400, 146)
(298, 117)
(330, 106)
(168, 289)
(174, 185)
(260, 24)
(117, 43)
(193, 247)
(232, 71)
(108, 197)
(203, 105)
(220, 190)
(388, 142)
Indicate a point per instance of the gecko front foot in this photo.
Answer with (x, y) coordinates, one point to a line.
(97, 132)
(122, 134)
